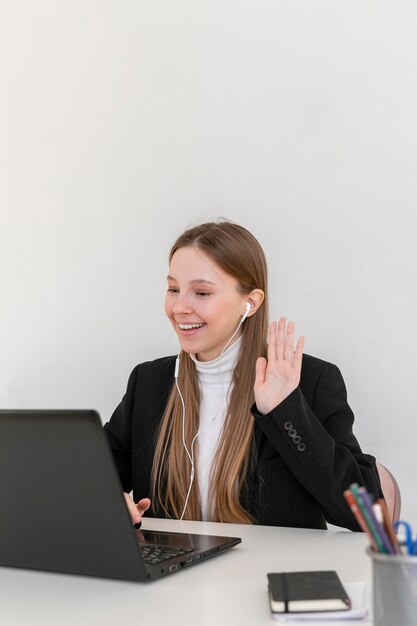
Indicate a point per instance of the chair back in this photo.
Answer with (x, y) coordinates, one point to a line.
(391, 491)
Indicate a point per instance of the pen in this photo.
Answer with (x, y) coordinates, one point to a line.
(371, 522)
(378, 525)
(350, 499)
(381, 506)
(410, 544)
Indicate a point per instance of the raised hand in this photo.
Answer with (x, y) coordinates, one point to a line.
(278, 376)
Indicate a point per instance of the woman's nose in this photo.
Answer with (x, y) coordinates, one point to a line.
(182, 304)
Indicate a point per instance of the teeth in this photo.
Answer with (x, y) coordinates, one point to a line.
(190, 326)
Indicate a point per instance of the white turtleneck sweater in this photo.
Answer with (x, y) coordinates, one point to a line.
(215, 379)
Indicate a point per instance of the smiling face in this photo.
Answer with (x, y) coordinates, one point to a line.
(203, 303)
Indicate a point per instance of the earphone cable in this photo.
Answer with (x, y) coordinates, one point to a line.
(190, 455)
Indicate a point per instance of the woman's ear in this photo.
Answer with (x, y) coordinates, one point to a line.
(255, 299)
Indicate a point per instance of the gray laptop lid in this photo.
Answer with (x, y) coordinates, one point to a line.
(61, 502)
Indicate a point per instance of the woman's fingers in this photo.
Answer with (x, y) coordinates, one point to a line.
(272, 340)
(281, 341)
(136, 510)
(134, 513)
(143, 505)
(298, 356)
(280, 349)
(260, 372)
(289, 342)
(277, 377)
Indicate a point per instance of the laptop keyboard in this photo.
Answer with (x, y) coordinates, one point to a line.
(154, 554)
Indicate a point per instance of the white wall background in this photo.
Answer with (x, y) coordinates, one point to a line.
(122, 123)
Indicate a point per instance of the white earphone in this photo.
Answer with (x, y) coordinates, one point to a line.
(246, 313)
(190, 453)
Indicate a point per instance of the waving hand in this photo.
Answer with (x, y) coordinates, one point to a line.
(278, 376)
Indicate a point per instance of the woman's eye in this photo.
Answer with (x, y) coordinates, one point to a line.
(172, 290)
(202, 293)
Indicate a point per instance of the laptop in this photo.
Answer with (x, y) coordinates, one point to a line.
(62, 508)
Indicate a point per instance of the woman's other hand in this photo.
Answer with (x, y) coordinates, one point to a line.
(278, 376)
(137, 509)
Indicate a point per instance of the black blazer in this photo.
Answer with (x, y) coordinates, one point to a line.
(305, 453)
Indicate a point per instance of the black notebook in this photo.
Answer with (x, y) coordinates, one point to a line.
(302, 592)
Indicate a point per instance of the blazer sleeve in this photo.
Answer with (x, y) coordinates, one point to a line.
(119, 433)
(317, 443)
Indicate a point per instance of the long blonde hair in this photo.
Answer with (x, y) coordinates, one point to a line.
(237, 252)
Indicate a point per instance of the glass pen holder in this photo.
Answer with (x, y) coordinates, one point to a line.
(394, 589)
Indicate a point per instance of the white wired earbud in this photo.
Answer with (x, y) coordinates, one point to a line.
(190, 453)
(246, 313)
(242, 319)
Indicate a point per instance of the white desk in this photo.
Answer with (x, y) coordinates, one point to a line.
(229, 589)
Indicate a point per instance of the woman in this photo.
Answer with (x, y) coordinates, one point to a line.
(241, 427)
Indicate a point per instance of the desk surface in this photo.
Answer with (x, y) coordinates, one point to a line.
(226, 590)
